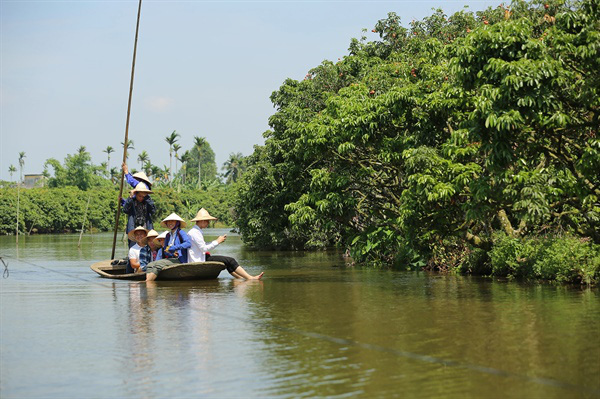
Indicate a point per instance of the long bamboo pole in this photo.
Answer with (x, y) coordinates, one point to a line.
(126, 142)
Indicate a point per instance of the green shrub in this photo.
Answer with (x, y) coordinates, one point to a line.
(560, 258)
(61, 210)
(569, 259)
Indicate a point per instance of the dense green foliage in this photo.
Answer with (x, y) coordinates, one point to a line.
(59, 210)
(418, 148)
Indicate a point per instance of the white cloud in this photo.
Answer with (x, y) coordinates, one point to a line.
(159, 104)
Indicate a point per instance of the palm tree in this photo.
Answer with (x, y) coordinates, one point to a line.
(21, 162)
(129, 147)
(176, 148)
(143, 158)
(11, 170)
(108, 150)
(184, 158)
(114, 173)
(102, 169)
(155, 172)
(234, 167)
(171, 139)
(164, 172)
(199, 142)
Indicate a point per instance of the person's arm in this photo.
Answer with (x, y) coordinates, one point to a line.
(151, 206)
(130, 179)
(128, 206)
(133, 260)
(185, 244)
(197, 236)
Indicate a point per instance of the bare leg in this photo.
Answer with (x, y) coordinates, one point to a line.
(151, 276)
(234, 274)
(241, 273)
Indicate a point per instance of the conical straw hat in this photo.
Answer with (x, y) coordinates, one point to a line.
(203, 215)
(162, 235)
(175, 217)
(151, 235)
(142, 176)
(131, 234)
(141, 188)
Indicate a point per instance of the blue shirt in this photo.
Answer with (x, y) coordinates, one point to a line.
(181, 245)
(145, 257)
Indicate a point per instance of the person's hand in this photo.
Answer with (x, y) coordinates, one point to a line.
(221, 239)
(125, 169)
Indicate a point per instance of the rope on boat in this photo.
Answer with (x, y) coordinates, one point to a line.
(70, 275)
(5, 273)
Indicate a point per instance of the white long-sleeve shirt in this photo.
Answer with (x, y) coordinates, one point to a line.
(199, 247)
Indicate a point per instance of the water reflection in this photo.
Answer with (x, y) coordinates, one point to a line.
(312, 327)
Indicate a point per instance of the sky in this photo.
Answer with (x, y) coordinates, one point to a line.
(203, 68)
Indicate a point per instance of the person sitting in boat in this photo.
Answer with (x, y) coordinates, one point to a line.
(150, 249)
(137, 235)
(140, 208)
(175, 247)
(136, 178)
(160, 242)
(199, 249)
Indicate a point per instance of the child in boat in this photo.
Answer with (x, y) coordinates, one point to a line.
(175, 247)
(137, 235)
(139, 208)
(150, 250)
(136, 178)
(199, 249)
(160, 242)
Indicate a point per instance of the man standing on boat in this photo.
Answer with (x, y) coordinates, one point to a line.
(139, 209)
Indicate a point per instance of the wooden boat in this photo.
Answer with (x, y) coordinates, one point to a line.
(184, 271)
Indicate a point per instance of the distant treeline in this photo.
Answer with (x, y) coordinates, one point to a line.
(62, 210)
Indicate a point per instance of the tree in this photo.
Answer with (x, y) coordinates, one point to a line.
(108, 151)
(77, 171)
(130, 146)
(199, 144)
(11, 170)
(424, 145)
(114, 174)
(143, 158)
(171, 139)
(234, 167)
(184, 159)
(21, 163)
(176, 148)
(164, 172)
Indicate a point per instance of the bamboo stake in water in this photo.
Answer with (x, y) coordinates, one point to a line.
(83, 222)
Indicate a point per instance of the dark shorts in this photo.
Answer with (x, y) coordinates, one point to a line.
(229, 262)
(156, 266)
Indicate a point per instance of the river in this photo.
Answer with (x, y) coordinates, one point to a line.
(313, 327)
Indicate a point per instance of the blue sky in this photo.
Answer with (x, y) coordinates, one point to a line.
(204, 68)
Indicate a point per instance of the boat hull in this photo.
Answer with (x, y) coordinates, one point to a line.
(185, 271)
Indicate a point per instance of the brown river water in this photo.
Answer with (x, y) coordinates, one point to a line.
(313, 327)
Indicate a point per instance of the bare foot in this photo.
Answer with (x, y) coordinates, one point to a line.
(257, 277)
